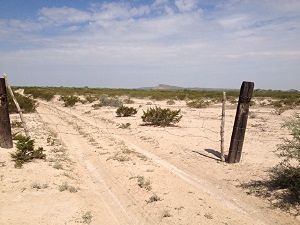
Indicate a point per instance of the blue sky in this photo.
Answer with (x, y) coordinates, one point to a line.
(190, 43)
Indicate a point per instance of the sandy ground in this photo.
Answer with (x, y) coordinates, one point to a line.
(110, 174)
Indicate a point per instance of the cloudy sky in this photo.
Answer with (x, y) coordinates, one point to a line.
(190, 43)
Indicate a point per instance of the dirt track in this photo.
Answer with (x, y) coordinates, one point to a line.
(105, 164)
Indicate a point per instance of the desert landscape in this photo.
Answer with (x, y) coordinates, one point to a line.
(104, 169)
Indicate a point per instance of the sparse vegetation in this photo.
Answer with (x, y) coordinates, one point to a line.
(144, 183)
(284, 179)
(39, 186)
(27, 105)
(65, 186)
(25, 152)
(124, 111)
(128, 101)
(110, 101)
(87, 217)
(91, 98)
(153, 198)
(69, 101)
(41, 93)
(166, 213)
(161, 117)
(171, 102)
(125, 125)
(199, 103)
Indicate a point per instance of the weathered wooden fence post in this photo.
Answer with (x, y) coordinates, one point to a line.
(240, 123)
(222, 126)
(5, 129)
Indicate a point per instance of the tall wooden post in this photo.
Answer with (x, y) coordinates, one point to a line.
(222, 126)
(5, 129)
(240, 123)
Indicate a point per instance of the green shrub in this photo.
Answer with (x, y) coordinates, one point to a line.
(124, 111)
(199, 103)
(161, 117)
(25, 151)
(90, 98)
(40, 93)
(69, 101)
(128, 101)
(284, 182)
(26, 104)
(110, 101)
(171, 102)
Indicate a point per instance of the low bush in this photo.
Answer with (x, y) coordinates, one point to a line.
(26, 104)
(124, 111)
(69, 101)
(170, 102)
(44, 94)
(90, 98)
(128, 101)
(25, 152)
(161, 117)
(199, 103)
(284, 180)
(110, 101)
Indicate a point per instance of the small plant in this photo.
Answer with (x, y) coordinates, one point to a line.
(57, 166)
(69, 101)
(199, 103)
(143, 183)
(44, 94)
(65, 186)
(26, 152)
(107, 101)
(90, 98)
(39, 186)
(125, 125)
(124, 111)
(87, 217)
(128, 101)
(161, 117)
(171, 102)
(166, 213)
(16, 124)
(153, 198)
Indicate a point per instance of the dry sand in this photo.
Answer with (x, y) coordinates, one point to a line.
(103, 167)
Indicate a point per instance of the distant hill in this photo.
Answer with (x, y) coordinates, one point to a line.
(170, 87)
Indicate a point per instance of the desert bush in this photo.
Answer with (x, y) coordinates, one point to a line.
(27, 104)
(69, 101)
(25, 152)
(128, 101)
(90, 98)
(161, 117)
(284, 179)
(110, 101)
(124, 111)
(125, 125)
(44, 94)
(199, 103)
(171, 102)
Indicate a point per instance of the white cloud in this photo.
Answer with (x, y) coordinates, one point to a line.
(186, 5)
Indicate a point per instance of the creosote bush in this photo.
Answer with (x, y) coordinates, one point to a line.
(161, 117)
(91, 98)
(284, 181)
(69, 101)
(27, 105)
(25, 152)
(109, 101)
(124, 111)
(44, 94)
(199, 103)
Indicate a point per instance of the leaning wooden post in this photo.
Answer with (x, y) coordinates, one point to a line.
(240, 123)
(17, 105)
(5, 128)
(222, 126)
